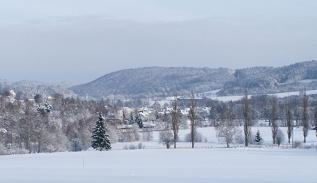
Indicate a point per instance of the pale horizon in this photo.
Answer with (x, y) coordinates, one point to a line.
(76, 42)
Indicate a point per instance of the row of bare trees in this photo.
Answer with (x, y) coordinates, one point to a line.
(176, 121)
(226, 123)
(274, 118)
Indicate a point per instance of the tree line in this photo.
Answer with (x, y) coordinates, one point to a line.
(68, 124)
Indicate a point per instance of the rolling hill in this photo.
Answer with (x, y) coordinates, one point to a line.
(169, 81)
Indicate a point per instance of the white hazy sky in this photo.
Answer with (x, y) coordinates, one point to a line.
(79, 40)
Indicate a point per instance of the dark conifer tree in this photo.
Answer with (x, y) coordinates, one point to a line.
(258, 139)
(100, 140)
(139, 121)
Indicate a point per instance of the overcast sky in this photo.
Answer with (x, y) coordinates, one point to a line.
(79, 40)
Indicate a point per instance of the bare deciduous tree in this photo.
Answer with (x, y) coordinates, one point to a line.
(274, 119)
(175, 113)
(305, 116)
(289, 121)
(192, 117)
(247, 119)
(315, 120)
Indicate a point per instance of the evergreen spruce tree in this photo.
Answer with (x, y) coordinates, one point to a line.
(100, 140)
(258, 139)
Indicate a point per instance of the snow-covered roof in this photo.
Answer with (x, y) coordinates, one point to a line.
(2, 130)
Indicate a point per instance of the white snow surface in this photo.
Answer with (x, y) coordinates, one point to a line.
(213, 95)
(279, 95)
(209, 162)
(163, 166)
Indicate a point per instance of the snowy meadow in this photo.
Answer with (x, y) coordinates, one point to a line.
(209, 162)
(161, 165)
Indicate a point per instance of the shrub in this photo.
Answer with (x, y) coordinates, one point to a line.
(134, 147)
(141, 146)
(3, 150)
(198, 137)
(280, 137)
(298, 144)
(166, 137)
(239, 138)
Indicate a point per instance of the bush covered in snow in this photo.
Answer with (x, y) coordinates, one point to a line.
(166, 138)
(239, 138)
(280, 137)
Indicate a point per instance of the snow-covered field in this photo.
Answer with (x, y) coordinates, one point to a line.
(213, 95)
(279, 95)
(210, 140)
(162, 166)
(209, 135)
(210, 162)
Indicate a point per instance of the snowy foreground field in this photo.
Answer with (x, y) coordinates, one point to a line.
(209, 163)
(161, 166)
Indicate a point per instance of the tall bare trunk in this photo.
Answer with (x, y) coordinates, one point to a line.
(192, 118)
(175, 121)
(289, 121)
(305, 116)
(274, 119)
(247, 119)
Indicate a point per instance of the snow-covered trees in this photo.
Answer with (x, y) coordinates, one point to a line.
(65, 124)
(166, 137)
(45, 108)
(279, 137)
(100, 140)
(42, 124)
(226, 129)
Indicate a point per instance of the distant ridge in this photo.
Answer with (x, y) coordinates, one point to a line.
(168, 81)
(155, 81)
